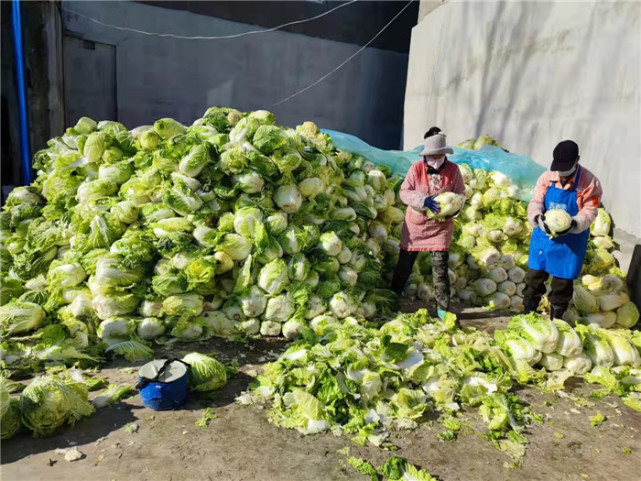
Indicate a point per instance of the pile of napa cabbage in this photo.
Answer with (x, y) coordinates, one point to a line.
(489, 256)
(232, 226)
(364, 382)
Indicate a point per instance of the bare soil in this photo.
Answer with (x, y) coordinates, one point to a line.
(241, 445)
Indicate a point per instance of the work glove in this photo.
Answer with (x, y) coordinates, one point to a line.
(431, 204)
(448, 217)
(567, 231)
(539, 220)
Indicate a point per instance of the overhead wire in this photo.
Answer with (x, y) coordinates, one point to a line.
(253, 32)
(202, 37)
(345, 61)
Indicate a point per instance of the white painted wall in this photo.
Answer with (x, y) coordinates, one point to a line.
(531, 74)
(427, 6)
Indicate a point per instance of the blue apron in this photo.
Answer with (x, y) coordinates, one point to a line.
(562, 256)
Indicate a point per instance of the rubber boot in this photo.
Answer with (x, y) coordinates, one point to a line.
(531, 305)
(556, 312)
(441, 313)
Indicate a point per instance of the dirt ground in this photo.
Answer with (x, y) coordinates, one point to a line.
(241, 445)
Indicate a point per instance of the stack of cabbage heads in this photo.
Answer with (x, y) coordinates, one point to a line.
(537, 346)
(231, 226)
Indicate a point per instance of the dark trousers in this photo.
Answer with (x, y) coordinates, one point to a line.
(559, 297)
(440, 277)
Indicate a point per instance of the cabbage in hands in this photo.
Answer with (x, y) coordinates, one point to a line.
(557, 220)
(450, 203)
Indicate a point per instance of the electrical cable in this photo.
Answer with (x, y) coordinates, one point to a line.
(346, 61)
(200, 37)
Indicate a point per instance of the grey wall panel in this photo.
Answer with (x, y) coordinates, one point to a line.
(90, 80)
(159, 77)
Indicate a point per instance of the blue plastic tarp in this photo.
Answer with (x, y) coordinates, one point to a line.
(521, 169)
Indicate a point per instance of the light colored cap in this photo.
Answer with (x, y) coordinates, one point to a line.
(435, 145)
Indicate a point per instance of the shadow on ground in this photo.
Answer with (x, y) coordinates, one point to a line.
(113, 418)
(88, 430)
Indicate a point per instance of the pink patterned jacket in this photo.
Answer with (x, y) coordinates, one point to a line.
(419, 232)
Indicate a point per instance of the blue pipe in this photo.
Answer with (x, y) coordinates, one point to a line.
(22, 94)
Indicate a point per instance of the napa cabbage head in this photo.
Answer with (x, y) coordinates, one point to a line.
(627, 315)
(253, 301)
(188, 304)
(48, 403)
(150, 328)
(273, 277)
(518, 347)
(596, 346)
(541, 333)
(584, 301)
(288, 198)
(19, 316)
(569, 344)
(450, 202)
(579, 364)
(557, 220)
(625, 353)
(602, 223)
(205, 372)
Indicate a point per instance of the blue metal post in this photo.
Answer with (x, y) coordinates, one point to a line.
(22, 94)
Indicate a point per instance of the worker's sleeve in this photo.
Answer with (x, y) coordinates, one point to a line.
(537, 204)
(589, 200)
(459, 185)
(409, 195)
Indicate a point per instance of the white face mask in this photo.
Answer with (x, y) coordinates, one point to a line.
(567, 173)
(435, 163)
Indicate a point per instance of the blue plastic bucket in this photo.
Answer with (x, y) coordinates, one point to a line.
(163, 384)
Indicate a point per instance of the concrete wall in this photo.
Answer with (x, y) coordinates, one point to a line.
(427, 7)
(158, 77)
(531, 74)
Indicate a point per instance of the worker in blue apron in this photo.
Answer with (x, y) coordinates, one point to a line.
(561, 256)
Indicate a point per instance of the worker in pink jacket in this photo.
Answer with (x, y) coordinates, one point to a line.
(576, 190)
(425, 179)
